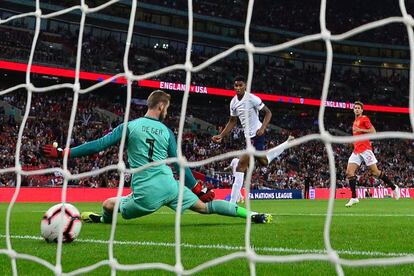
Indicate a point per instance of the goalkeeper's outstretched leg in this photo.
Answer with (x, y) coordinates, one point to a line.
(129, 209)
(226, 208)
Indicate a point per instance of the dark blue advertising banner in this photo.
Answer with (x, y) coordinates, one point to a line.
(275, 194)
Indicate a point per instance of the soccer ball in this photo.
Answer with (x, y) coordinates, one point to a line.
(52, 219)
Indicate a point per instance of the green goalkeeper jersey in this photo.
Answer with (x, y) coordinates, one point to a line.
(147, 140)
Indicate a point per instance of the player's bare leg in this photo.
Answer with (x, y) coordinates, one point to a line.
(243, 163)
(262, 160)
(350, 175)
(381, 175)
(240, 198)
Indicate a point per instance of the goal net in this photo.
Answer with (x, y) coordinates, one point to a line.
(248, 252)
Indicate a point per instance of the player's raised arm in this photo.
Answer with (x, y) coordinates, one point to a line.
(88, 148)
(229, 126)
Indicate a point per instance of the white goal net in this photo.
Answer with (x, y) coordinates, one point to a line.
(330, 254)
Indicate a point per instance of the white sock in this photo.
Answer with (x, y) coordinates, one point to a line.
(237, 185)
(276, 151)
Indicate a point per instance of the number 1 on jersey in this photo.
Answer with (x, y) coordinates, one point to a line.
(151, 148)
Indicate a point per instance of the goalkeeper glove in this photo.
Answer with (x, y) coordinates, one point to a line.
(50, 151)
(203, 192)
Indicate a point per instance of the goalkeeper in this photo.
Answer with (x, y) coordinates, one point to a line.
(148, 140)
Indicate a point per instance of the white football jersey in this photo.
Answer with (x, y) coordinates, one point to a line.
(234, 162)
(253, 105)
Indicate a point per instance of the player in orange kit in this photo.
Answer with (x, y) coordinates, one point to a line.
(363, 153)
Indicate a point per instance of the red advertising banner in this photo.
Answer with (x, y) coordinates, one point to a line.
(323, 193)
(76, 194)
(100, 194)
(55, 194)
(224, 194)
(271, 96)
(267, 97)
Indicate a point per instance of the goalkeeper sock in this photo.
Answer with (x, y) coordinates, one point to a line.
(387, 181)
(276, 151)
(226, 208)
(106, 216)
(242, 212)
(352, 184)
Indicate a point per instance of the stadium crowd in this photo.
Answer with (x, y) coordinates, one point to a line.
(303, 17)
(49, 117)
(293, 16)
(273, 75)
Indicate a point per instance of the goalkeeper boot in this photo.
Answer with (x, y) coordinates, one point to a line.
(90, 217)
(262, 218)
(396, 192)
(351, 202)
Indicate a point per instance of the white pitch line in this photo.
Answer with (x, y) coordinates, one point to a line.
(344, 215)
(293, 214)
(228, 247)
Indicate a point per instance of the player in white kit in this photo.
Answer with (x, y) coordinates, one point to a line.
(238, 105)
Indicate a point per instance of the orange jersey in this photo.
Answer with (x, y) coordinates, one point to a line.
(362, 122)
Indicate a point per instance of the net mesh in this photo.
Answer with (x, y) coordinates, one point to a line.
(330, 254)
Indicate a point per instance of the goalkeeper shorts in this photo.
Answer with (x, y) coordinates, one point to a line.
(148, 200)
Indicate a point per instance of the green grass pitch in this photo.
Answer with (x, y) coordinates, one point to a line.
(372, 229)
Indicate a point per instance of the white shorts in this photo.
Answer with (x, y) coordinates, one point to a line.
(367, 156)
